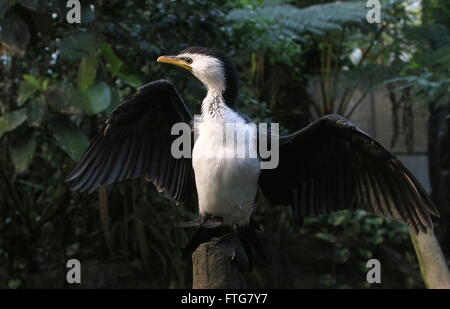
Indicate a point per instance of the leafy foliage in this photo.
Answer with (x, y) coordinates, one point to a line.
(60, 80)
(334, 31)
(316, 19)
(427, 72)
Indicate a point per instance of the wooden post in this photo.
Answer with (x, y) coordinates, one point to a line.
(431, 260)
(211, 269)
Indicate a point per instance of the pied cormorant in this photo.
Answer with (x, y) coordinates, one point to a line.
(327, 166)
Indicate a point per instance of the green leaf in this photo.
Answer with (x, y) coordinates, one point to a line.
(12, 120)
(365, 253)
(327, 280)
(35, 111)
(14, 283)
(99, 98)
(28, 87)
(77, 45)
(87, 72)
(77, 100)
(44, 84)
(341, 255)
(22, 151)
(440, 56)
(32, 80)
(69, 137)
(337, 218)
(327, 237)
(115, 100)
(26, 90)
(129, 77)
(114, 62)
(64, 98)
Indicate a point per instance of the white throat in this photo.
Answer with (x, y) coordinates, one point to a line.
(213, 105)
(211, 72)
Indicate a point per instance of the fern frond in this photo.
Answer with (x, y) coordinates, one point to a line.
(437, 35)
(316, 18)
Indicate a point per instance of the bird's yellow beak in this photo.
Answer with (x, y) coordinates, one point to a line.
(174, 60)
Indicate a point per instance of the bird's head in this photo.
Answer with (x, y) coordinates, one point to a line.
(212, 67)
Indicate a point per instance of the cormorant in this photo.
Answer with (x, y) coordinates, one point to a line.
(327, 166)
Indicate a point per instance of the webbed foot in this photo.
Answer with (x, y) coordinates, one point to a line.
(231, 247)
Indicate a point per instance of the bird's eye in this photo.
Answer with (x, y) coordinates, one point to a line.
(187, 60)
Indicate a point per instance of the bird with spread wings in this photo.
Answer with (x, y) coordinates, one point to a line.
(327, 166)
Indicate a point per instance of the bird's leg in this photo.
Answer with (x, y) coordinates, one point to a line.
(205, 221)
(194, 223)
(226, 238)
(212, 222)
(231, 246)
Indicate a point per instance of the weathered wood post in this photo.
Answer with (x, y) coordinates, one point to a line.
(431, 260)
(211, 269)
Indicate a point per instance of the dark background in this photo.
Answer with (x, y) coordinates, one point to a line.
(58, 81)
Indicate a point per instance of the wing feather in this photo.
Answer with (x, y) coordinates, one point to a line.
(333, 165)
(135, 142)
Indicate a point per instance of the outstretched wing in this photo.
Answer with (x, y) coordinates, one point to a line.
(332, 165)
(136, 141)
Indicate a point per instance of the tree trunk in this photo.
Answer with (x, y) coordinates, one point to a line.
(211, 269)
(433, 264)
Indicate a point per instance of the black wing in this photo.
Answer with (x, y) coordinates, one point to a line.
(136, 141)
(332, 165)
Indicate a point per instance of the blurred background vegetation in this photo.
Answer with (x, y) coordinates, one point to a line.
(58, 81)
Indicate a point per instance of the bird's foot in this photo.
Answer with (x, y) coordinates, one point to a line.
(205, 221)
(226, 238)
(230, 245)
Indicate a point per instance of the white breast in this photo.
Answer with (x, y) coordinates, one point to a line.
(226, 182)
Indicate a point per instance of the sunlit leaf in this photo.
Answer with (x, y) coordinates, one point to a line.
(14, 283)
(26, 90)
(87, 72)
(44, 85)
(32, 80)
(77, 45)
(22, 151)
(327, 237)
(12, 120)
(99, 98)
(112, 59)
(337, 218)
(70, 138)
